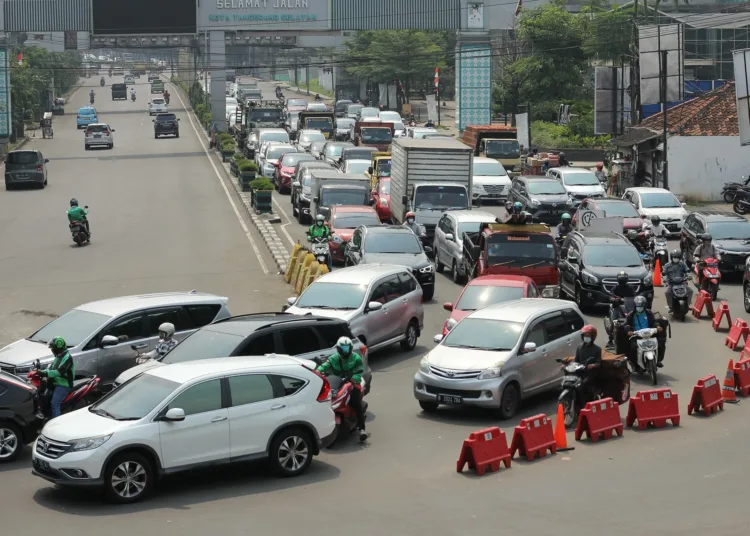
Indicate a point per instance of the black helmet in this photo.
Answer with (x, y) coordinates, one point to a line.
(655, 220)
(622, 278)
(74, 202)
(676, 255)
(707, 237)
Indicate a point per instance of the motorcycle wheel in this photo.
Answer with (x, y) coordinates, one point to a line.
(569, 410)
(79, 239)
(681, 312)
(739, 209)
(608, 325)
(652, 371)
(714, 291)
(729, 196)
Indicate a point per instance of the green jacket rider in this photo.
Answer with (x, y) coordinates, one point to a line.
(60, 374)
(319, 229)
(78, 214)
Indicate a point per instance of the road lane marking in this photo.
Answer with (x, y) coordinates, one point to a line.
(224, 186)
(288, 221)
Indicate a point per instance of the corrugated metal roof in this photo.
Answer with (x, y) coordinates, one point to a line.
(395, 14)
(47, 15)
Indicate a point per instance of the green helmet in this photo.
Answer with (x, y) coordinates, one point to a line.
(565, 218)
(57, 345)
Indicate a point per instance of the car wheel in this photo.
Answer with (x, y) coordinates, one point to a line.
(10, 442)
(177, 135)
(111, 145)
(457, 277)
(86, 147)
(428, 407)
(410, 337)
(582, 303)
(509, 401)
(745, 296)
(428, 293)
(128, 478)
(439, 266)
(291, 452)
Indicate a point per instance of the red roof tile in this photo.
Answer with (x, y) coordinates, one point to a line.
(711, 114)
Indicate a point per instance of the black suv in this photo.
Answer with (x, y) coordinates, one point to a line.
(544, 198)
(730, 233)
(19, 420)
(589, 265)
(119, 91)
(166, 124)
(392, 244)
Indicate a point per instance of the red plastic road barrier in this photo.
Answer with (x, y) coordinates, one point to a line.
(533, 436)
(722, 311)
(654, 408)
(742, 376)
(738, 330)
(484, 449)
(706, 394)
(703, 300)
(599, 419)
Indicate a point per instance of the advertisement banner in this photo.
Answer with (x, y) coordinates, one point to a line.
(5, 121)
(264, 15)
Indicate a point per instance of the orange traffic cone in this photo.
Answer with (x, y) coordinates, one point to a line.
(728, 392)
(657, 273)
(561, 438)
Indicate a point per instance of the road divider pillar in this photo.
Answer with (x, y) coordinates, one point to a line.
(484, 450)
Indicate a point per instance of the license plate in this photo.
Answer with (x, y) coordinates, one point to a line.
(449, 400)
(97, 135)
(23, 176)
(40, 464)
(494, 195)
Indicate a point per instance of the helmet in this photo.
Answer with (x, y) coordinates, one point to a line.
(74, 202)
(565, 218)
(706, 237)
(517, 207)
(599, 165)
(58, 346)
(639, 301)
(411, 215)
(319, 219)
(676, 255)
(632, 234)
(588, 331)
(622, 278)
(344, 346)
(166, 330)
(656, 220)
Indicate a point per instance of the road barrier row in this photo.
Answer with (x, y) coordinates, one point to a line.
(303, 269)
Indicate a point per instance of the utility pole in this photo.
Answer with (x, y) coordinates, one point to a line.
(635, 78)
(663, 84)
(205, 73)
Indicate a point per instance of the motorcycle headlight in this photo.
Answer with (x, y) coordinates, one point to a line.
(427, 269)
(589, 279)
(90, 443)
(337, 239)
(489, 373)
(424, 365)
(452, 322)
(535, 202)
(383, 202)
(648, 280)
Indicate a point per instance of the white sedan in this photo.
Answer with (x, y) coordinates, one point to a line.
(157, 106)
(317, 107)
(658, 202)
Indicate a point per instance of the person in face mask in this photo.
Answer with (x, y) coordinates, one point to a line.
(641, 318)
(411, 223)
(589, 355)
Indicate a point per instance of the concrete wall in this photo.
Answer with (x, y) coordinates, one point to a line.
(700, 165)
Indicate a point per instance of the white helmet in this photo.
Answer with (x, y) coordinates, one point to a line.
(344, 346)
(166, 330)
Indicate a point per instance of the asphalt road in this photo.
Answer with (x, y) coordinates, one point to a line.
(161, 224)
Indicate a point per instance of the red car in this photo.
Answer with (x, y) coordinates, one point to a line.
(282, 177)
(381, 196)
(614, 208)
(488, 290)
(344, 220)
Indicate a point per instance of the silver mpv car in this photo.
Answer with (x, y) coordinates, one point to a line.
(499, 355)
(382, 303)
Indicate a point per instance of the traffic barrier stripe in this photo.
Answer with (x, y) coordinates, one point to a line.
(309, 258)
(703, 300)
(292, 262)
(654, 407)
(312, 273)
(599, 419)
(484, 450)
(742, 376)
(532, 437)
(738, 330)
(301, 255)
(706, 395)
(721, 312)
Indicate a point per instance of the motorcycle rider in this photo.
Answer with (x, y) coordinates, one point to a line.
(132, 93)
(676, 270)
(657, 229)
(319, 229)
(101, 82)
(60, 374)
(589, 355)
(76, 213)
(412, 225)
(166, 96)
(600, 172)
(91, 96)
(637, 319)
(705, 250)
(565, 226)
(347, 365)
(620, 291)
(429, 124)
(166, 341)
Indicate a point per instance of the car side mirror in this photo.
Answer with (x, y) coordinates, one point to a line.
(153, 120)
(404, 200)
(109, 340)
(369, 170)
(316, 199)
(296, 184)
(112, 130)
(684, 205)
(529, 347)
(428, 249)
(448, 306)
(449, 237)
(292, 300)
(175, 415)
(374, 306)
(438, 338)
(46, 160)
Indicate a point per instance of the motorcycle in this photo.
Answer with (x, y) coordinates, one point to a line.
(711, 276)
(729, 190)
(320, 249)
(614, 322)
(741, 202)
(132, 97)
(78, 232)
(91, 99)
(647, 350)
(680, 305)
(101, 82)
(346, 418)
(166, 99)
(84, 392)
(573, 398)
(660, 251)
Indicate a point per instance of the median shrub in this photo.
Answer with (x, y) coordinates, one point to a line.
(261, 184)
(228, 146)
(247, 166)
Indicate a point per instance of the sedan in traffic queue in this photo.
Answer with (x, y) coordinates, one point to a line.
(99, 134)
(86, 116)
(343, 221)
(282, 177)
(306, 137)
(730, 234)
(650, 202)
(332, 151)
(544, 198)
(272, 157)
(381, 199)
(488, 290)
(159, 106)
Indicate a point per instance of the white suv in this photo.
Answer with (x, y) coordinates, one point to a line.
(157, 106)
(99, 134)
(188, 415)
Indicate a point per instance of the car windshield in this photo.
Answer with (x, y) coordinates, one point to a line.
(398, 125)
(344, 124)
(356, 154)
(478, 297)
(354, 108)
(319, 123)
(296, 102)
(502, 149)
(291, 159)
(390, 117)
(484, 334)
(612, 256)
(265, 115)
(135, 399)
(546, 188)
(341, 106)
(317, 146)
(97, 128)
(369, 112)
(254, 95)
(393, 243)
(310, 137)
(385, 187)
(334, 151)
(274, 153)
(86, 111)
(166, 117)
(440, 198)
(322, 295)
(618, 208)
(355, 166)
(330, 197)
(581, 178)
(376, 135)
(158, 101)
(489, 168)
(468, 227)
(75, 326)
(203, 344)
(729, 230)
(521, 250)
(659, 200)
(384, 169)
(352, 220)
(275, 136)
(22, 157)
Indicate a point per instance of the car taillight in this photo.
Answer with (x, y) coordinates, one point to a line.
(325, 390)
(363, 351)
(39, 168)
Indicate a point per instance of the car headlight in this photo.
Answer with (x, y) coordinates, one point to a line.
(551, 292)
(424, 365)
(337, 239)
(648, 280)
(569, 202)
(452, 322)
(427, 269)
(516, 168)
(535, 202)
(489, 373)
(90, 443)
(589, 279)
(383, 202)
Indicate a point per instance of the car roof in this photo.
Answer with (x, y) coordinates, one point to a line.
(87, 108)
(717, 215)
(244, 325)
(97, 125)
(605, 200)
(537, 178)
(472, 216)
(310, 131)
(521, 310)
(282, 146)
(647, 189)
(353, 209)
(571, 170)
(497, 280)
(612, 239)
(123, 304)
(264, 130)
(188, 371)
(362, 274)
(400, 229)
(484, 160)
(356, 160)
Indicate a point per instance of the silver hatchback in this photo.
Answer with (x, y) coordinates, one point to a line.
(381, 303)
(448, 244)
(499, 355)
